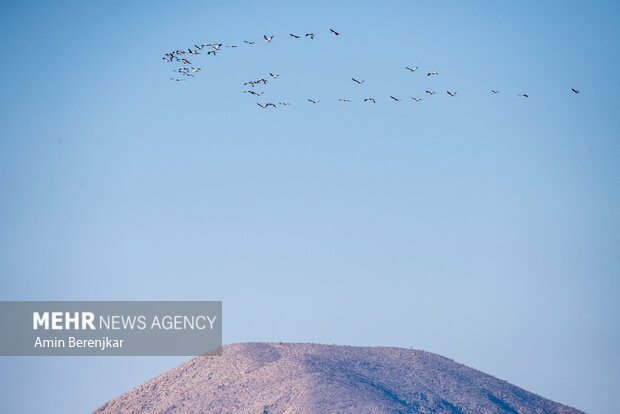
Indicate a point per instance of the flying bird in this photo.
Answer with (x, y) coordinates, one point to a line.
(523, 95)
(248, 42)
(177, 79)
(196, 69)
(313, 101)
(266, 105)
(334, 32)
(231, 46)
(432, 73)
(411, 69)
(212, 51)
(494, 91)
(311, 35)
(394, 99)
(357, 81)
(451, 93)
(273, 76)
(284, 103)
(575, 91)
(268, 39)
(370, 99)
(416, 99)
(430, 92)
(344, 100)
(294, 36)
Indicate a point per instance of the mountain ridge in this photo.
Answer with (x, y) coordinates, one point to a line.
(266, 378)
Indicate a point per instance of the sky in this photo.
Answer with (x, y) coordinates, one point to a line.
(481, 227)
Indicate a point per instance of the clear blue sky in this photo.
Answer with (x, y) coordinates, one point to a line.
(485, 228)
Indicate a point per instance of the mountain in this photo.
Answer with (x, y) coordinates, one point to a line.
(266, 378)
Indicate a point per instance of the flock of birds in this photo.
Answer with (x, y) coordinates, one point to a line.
(186, 71)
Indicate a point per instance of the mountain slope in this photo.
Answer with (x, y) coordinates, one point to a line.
(309, 378)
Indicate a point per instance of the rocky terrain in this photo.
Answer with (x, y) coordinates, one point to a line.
(266, 378)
